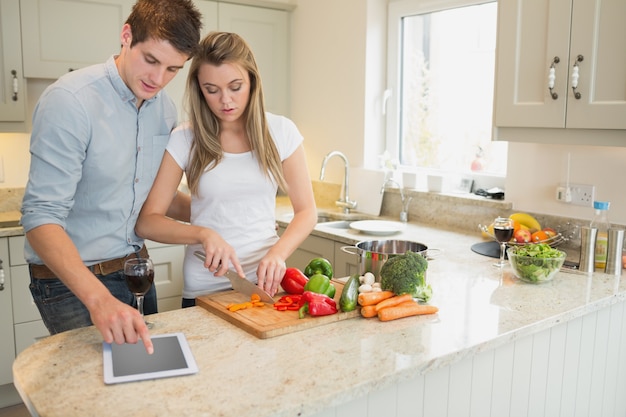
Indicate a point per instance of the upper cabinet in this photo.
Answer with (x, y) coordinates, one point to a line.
(561, 64)
(266, 31)
(12, 86)
(61, 35)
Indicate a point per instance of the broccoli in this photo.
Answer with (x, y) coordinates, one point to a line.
(406, 274)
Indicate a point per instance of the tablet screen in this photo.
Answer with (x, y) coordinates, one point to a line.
(128, 362)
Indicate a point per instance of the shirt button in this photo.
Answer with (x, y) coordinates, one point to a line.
(136, 180)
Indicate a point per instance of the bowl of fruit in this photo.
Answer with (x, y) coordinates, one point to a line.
(526, 229)
(535, 263)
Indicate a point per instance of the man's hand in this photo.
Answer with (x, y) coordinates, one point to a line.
(120, 323)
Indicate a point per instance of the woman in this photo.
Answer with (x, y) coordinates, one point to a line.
(235, 156)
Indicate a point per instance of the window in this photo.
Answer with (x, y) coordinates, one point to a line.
(441, 78)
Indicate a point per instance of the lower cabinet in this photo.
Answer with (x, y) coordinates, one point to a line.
(344, 264)
(20, 321)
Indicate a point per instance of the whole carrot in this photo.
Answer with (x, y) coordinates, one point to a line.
(393, 301)
(371, 298)
(369, 311)
(406, 309)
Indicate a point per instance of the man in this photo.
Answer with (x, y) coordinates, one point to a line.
(98, 137)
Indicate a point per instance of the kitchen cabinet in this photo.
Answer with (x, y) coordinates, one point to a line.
(344, 264)
(582, 43)
(266, 31)
(7, 341)
(168, 273)
(20, 322)
(12, 85)
(61, 35)
(312, 247)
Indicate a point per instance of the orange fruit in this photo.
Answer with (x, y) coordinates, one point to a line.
(539, 236)
(516, 226)
(549, 231)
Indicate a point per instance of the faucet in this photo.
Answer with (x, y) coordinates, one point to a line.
(404, 213)
(344, 201)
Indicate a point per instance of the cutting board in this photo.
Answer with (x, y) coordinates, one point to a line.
(265, 322)
(365, 186)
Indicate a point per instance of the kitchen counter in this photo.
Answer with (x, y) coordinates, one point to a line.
(308, 373)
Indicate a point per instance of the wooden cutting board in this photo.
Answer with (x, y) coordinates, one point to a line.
(265, 322)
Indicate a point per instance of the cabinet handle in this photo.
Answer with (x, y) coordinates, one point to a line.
(15, 85)
(1, 277)
(552, 77)
(575, 75)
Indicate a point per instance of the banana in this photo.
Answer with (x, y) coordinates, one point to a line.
(527, 220)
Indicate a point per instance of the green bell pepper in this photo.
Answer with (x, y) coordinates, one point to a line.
(319, 266)
(320, 284)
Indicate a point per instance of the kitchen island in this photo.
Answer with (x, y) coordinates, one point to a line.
(497, 347)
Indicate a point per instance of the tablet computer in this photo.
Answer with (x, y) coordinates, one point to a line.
(130, 362)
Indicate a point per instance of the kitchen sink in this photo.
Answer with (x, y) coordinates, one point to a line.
(336, 224)
(334, 216)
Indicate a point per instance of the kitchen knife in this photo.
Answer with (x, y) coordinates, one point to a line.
(242, 285)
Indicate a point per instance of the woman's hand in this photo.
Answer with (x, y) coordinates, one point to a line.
(219, 254)
(270, 273)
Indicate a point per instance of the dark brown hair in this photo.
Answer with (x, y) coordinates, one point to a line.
(176, 21)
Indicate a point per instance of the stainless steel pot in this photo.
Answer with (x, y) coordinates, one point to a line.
(374, 253)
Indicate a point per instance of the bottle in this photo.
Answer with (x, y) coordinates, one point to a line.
(601, 222)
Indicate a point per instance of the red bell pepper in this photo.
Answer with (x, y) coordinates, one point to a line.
(293, 281)
(316, 305)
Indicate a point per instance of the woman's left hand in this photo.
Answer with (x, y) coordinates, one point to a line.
(270, 273)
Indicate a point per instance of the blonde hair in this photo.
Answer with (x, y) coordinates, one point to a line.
(206, 152)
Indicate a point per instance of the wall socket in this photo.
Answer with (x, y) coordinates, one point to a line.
(577, 194)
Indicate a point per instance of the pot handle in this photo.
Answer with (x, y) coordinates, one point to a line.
(431, 256)
(348, 249)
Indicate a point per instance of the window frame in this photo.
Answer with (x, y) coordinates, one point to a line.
(397, 9)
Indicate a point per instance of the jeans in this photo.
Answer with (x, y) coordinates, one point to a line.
(61, 310)
(188, 302)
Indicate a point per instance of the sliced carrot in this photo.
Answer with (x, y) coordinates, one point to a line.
(255, 297)
(369, 311)
(371, 298)
(393, 301)
(406, 309)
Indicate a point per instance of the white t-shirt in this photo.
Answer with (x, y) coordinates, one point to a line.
(237, 200)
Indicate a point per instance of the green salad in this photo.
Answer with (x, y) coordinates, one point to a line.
(536, 262)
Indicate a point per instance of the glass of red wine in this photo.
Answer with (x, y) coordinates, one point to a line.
(503, 231)
(139, 274)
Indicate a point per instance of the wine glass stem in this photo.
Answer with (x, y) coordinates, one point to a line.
(140, 304)
(502, 248)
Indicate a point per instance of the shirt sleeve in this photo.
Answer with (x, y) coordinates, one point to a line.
(285, 134)
(59, 142)
(179, 145)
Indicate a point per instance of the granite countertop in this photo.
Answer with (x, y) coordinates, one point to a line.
(481, 308)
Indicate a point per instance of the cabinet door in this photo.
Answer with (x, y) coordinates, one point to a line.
(599, 36)
(533, 36)
(7, 341)
(266, 31)
(312, 247)
(168, 273)
(345, 264)
(176, 87)
(62, 35)
(12, 86)
(530, 35)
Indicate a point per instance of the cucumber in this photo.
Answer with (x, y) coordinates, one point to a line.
(350, 294)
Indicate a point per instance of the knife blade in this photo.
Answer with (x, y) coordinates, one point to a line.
(242, 285)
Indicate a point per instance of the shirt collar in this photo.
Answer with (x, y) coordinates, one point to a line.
(119, 85)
